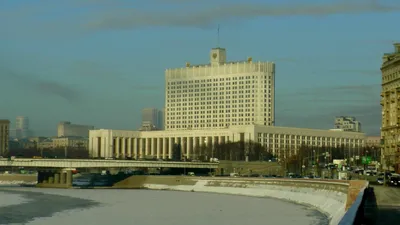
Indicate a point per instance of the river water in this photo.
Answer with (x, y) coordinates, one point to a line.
(31, 206)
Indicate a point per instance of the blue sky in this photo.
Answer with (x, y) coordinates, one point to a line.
(100, 62)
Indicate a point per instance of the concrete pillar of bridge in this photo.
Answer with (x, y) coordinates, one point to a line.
(63, 177)
(57, 178)
(69, 178)
(51, 179)
(46, 176)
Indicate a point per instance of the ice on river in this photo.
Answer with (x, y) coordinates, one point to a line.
(147, 207)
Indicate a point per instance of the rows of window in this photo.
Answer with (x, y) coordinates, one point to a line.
(391, 86)
(391, 74)
(244, 79)
(304, 138)
(300, 142)
(286, 140)
(218, 108)
(214, 95)
(218, 102)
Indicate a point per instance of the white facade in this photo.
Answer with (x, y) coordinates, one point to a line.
(220, 94)
(347, 123)
(4, 135)
(159, 144)
(67, 129)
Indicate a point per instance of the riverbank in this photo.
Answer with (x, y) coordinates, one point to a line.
(331, 197)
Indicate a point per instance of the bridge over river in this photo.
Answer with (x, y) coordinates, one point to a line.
(97, 163)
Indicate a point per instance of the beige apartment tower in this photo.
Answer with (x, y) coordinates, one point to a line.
(220, 94)
(390, 102)
(4, 132)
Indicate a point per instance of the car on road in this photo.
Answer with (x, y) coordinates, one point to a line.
(82, 181)
(394, 181)
(380, 180)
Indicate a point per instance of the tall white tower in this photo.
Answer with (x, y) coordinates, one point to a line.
(217, 56)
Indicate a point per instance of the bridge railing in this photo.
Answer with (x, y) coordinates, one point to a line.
(106, 160)
(87, 163)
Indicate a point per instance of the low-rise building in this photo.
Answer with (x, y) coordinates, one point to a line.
(45, 144)
(37, 139)
(159, 144)
(70, 142)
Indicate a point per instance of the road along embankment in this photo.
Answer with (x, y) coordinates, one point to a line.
(333, 198)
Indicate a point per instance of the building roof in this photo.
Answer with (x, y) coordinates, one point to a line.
(4, 121)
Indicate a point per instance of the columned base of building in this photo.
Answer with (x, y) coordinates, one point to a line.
(188, 144)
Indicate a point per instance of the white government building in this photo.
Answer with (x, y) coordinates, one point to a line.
(220, 94)
(216, 103)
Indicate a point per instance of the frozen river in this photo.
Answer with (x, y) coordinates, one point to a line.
(32, 206)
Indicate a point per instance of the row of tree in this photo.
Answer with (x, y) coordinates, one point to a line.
(254, 151)
(307, 157)
(233, 151)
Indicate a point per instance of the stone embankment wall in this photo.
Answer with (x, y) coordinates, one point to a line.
(16, 179)
(330, 197)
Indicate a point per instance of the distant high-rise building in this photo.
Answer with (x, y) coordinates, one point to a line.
(220, 94)
(161, 118)
(152, 119)
(4, 135)
(22, 127)
(347, 123)
(67, 129)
